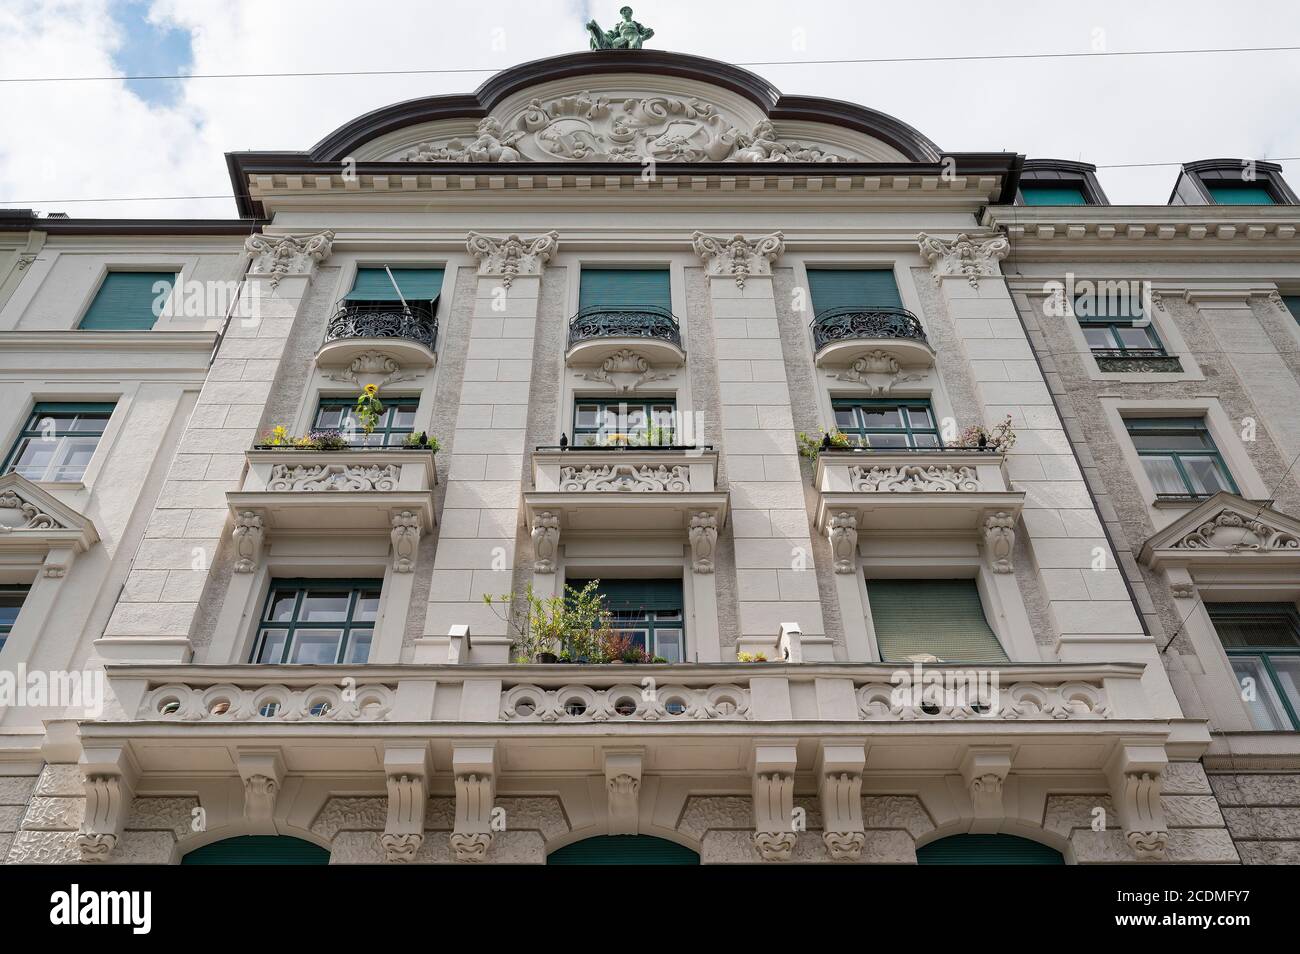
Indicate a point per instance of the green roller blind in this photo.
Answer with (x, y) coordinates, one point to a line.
(625, 288)
(258, 850)
(853, 288)
(623, 850)
(1052, 195)
(987, 850)
(637, 594)
(126, 301)
(417, 284)
(943, 618)
(1240, 195)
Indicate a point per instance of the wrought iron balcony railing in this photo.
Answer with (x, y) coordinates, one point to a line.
(850, 324)
(649, 321)
(1136, 360)
(385, 319)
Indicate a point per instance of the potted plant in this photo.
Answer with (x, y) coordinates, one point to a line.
(810, 446)
(421, 441)
(1001, 437)
(369, 409)
(568, 628)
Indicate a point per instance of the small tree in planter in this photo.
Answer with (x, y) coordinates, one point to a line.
(1001, 437)
(810, 446)
(574, 627)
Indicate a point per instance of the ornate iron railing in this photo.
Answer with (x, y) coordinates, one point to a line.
(849, 324)
(385, 319)
(1136, 360)
(606, 322)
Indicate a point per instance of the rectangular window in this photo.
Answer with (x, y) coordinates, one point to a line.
(1240, 195)
(317, 622)
(1292, 303)
(1262, 641)
(631, 288)
(58, 441)
(129, 301)
(887, 424)
(863, 288)
(1179, 456)
(415, 284)
(1033, 194)
(648, 611)
(944, 619)
(11, 601)
(395, 424)
(600, 423)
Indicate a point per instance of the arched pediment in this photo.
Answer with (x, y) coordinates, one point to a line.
(626, 106)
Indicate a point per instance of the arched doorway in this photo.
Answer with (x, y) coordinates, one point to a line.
(623, 850)
(259, 850)
(987, 850)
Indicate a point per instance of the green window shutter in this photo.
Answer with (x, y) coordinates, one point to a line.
(853, 288)
(943, 618)
(623, 850)
(1292, 305)
(417, 284)
(64, 407)
(625, 288)
(987, 850)
(1240, 195)
(125, 301)
(1052, 195)
(258, 850)
(637, 594)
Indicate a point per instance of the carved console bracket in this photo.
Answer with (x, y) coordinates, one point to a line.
(623, 783)
(774, 831)
(1136, 772)
(703, 535)
(738, 256)
(407, 768)
(839, 791)
(546, 541)
(843, 534)
(475, 771)
(248, 537)
(407, 526)
(984, 769)
(974, 258)
(999, 530)
(109, 777)
(511, 257)
(278, 256)
(263, 773)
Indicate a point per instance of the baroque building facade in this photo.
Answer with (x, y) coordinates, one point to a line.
(892, 562)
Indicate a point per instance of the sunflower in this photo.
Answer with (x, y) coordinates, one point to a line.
(371, 389)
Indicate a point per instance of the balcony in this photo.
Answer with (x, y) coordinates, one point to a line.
(1137, 360)
(844, 337)
(920, 490)
(408, 334)
(600, 333)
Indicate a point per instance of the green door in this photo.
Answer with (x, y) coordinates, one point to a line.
(259, 850)
(987, 850)
(623, 850)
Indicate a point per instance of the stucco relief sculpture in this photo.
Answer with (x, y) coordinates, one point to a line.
(19, 514)
(879, 371)
(247, 539)
(491, 144)
(342, 478)
(738, 256)
(546, 541)
(626, 371)
(843, 533)
(703, 535)
(406, 540)
(287, 254)
(1236, 532)
(512, 256)
(380, 368)
(1000, 540)
(626, 478)
(972, 257)
(909, 478)
(626, 35)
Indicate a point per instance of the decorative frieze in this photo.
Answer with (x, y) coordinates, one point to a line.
(908, 478)
(510, 257)
(223, 702)
(278, 256)
(624, 703)
(974, 258)
(247, 539)
(546, 541)
(632, 478)
(344, 478)
(703, 536)
(843, 533)
(882, 701)
(738, 256)
(1000, 541)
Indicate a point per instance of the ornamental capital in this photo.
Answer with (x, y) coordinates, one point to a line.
(738, 256)
(278, 256)
(512, 256)
(972, 257)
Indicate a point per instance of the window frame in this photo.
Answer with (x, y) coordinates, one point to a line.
(1263, 654)
(1198, 424)
(348, 625)
(31, 430)
(858, 404)
(383, 429)
(23, 590)
(647, 404)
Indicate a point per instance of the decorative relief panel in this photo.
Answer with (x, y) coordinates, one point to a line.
(334, 477)
(229, 703)
(907, 478)
(626, 703)
(639, 478)
(1236, 532)
(17, 513)
(626, 371)
(879, 702)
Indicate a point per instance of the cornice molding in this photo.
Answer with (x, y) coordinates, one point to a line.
(75, 340)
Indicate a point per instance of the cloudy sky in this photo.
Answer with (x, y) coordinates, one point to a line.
(63, 141)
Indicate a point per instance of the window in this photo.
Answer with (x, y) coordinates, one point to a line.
(940, 618)
(58, 441)
(624, 423)
(1240, 195)
(416, 284)
(11, 601)
(395, 424)
(884, 424)
(860, 288)
(317, 622)
(1032, 194)
(1179, 456)
(129, 301)
(1263, 644)
(648, 611)
(1292, 303)
(630, 288)
(987, 850)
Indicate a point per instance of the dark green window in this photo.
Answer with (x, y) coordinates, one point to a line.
(649, 611)
(1262, 641)
(58, 441)
(396, 424)
(259, 850)
(11, 601)
(317, 622)
(1292, 303)
(863, 288)
(940, 618)
(1033, 194)
(883, 424)
(600, 423)
(623, 850)
(1179, 456)
(416, 284)
(129, 301)
(987, 850)
(631, 288)
(1240, 195)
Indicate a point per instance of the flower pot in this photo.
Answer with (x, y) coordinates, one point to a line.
(546, 658)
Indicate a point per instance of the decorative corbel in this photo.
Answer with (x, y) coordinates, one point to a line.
(774, 833)
(1000, 540)
(108, 778)
(703, 535)
(839, 780)
(843, 533)
(406, 540)
(984, 769)
(1136, 772)
(973, 257)
(475, 771)
(248, 536)
(407, 768)
(278, 256)
(546, 541)
(512, 256)
(623, 783)
(738, 256)
(263, 773)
